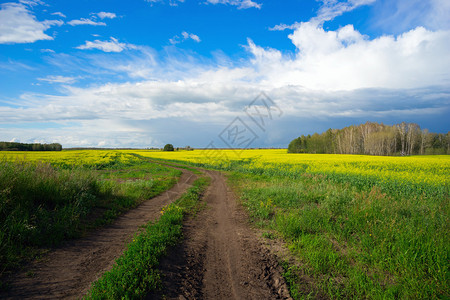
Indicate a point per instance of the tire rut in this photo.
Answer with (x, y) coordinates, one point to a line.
(221, 256)
(68, 271)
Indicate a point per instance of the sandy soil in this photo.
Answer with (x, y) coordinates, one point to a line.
(68, 271)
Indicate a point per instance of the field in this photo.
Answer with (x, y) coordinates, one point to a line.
(357, 226)
(353, 226)
(48, 197)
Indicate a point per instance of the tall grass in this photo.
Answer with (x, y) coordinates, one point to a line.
(40, 206)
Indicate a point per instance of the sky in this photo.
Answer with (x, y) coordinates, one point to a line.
(218, 73)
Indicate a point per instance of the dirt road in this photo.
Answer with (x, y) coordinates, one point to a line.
(221, 256)
(67, 272)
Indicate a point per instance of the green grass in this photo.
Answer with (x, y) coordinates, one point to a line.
(172, 163)
(136, 273)
(353, 243)
(42, 205)
(130, 185)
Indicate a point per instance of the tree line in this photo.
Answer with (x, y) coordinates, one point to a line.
(374, 138)
(13, 146)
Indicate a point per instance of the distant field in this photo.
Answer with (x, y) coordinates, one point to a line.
(409, 175)
(358, 226)
(87, 158)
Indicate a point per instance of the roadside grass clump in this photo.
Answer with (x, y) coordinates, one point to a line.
(353, 243)
(40, 206)
(135, 273)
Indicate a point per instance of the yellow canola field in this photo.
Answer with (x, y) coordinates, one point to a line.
(69, 157)
(432, 171)
(416, 173)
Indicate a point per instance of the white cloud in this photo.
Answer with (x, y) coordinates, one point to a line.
(171, 2)
(346, 60)
(84, 21)
(241, 4)
(184, 36)
(329, 10)
(59, 14)
(58, 79)
(93, 19)
(106, 15)
(19, 25)
(47, 51)
(322, 79)
(282, 27)
(396, 16)
(329, 64)
(107, 46)
(13, 65)
(31, 2)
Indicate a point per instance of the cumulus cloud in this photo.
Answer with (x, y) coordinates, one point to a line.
(151, 113)
(84, 21)
(326, 62)
(324, 77)
(184, 36)
(346, 60)
(241, 4)
(106, 15)
(19, 25)
(112, 45)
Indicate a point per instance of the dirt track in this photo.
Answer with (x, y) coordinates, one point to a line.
(67, 272)
(221, 256)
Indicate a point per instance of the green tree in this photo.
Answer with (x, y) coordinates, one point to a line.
(168, 147)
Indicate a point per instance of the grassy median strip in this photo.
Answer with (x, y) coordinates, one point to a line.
(136, 273)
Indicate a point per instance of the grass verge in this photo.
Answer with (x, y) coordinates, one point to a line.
(352, 243)
(42, 205)
(136, 273)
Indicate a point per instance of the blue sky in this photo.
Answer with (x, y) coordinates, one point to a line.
(110, 73)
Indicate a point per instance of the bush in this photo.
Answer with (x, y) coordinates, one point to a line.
(168, 147)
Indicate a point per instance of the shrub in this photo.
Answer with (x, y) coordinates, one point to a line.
(168, 147)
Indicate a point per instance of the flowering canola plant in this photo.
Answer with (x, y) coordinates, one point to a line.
(411, 175)
(70, 157)
(407, 175)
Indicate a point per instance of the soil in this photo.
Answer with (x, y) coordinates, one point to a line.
(68, 271)
(221, 256)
